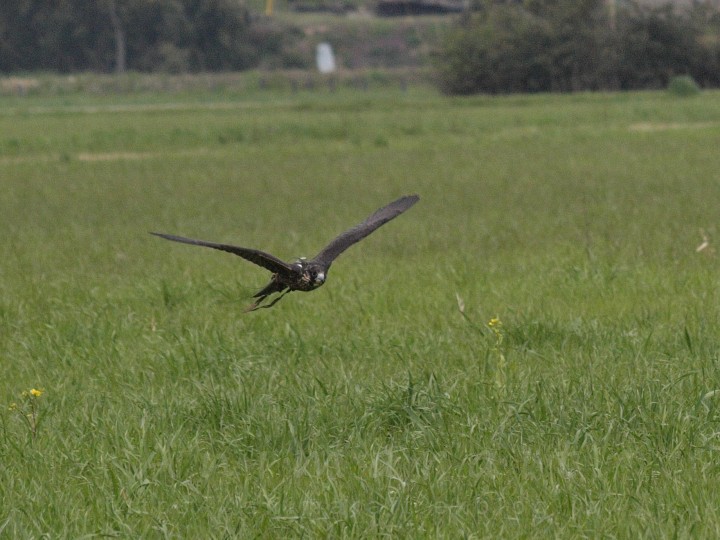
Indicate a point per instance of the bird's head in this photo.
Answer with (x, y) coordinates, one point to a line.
(312, 274)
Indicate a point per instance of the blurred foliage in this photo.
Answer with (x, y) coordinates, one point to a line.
(683, 86)
(567, 45)
(142, 35)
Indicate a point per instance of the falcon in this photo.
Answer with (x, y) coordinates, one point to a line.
(303, 274)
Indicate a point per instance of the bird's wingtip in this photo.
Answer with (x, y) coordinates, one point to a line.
(162, 235)
(412, 198)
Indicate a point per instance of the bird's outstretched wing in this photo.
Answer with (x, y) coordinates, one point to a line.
(258, 257)
(330, 252)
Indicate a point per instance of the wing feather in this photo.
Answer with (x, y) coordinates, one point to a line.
(330, 252)
(255, 256)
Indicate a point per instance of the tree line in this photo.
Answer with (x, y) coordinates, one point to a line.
(574, 45)
(141, 35)
(496, 46)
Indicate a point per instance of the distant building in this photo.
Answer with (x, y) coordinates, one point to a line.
(682, 3)
(396, 8)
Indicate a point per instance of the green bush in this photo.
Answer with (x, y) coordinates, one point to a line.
(563, 45)
(683, 86)
(498, 50)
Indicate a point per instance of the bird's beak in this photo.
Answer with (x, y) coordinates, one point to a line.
(321, 277)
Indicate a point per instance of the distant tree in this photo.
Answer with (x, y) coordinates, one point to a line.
(119, 35)
(144, 35)
(157, 35)
(60, 35)
(656, 44)
(16, 34)
(217, 30)
(499, 48)
(580, 42)
(569, 45)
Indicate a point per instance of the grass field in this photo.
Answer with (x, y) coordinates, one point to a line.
(372, 407)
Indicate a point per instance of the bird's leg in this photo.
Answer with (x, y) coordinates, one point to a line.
(251, 307)
(271, 304)
(256, 305)
(271, 288)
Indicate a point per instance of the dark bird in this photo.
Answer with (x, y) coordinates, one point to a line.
(303, 274)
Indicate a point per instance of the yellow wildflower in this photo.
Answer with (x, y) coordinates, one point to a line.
(494, 322)
(36, 393)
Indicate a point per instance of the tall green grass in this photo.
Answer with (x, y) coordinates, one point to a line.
(381, 404)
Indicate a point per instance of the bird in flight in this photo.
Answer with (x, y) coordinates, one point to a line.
(303, 274)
